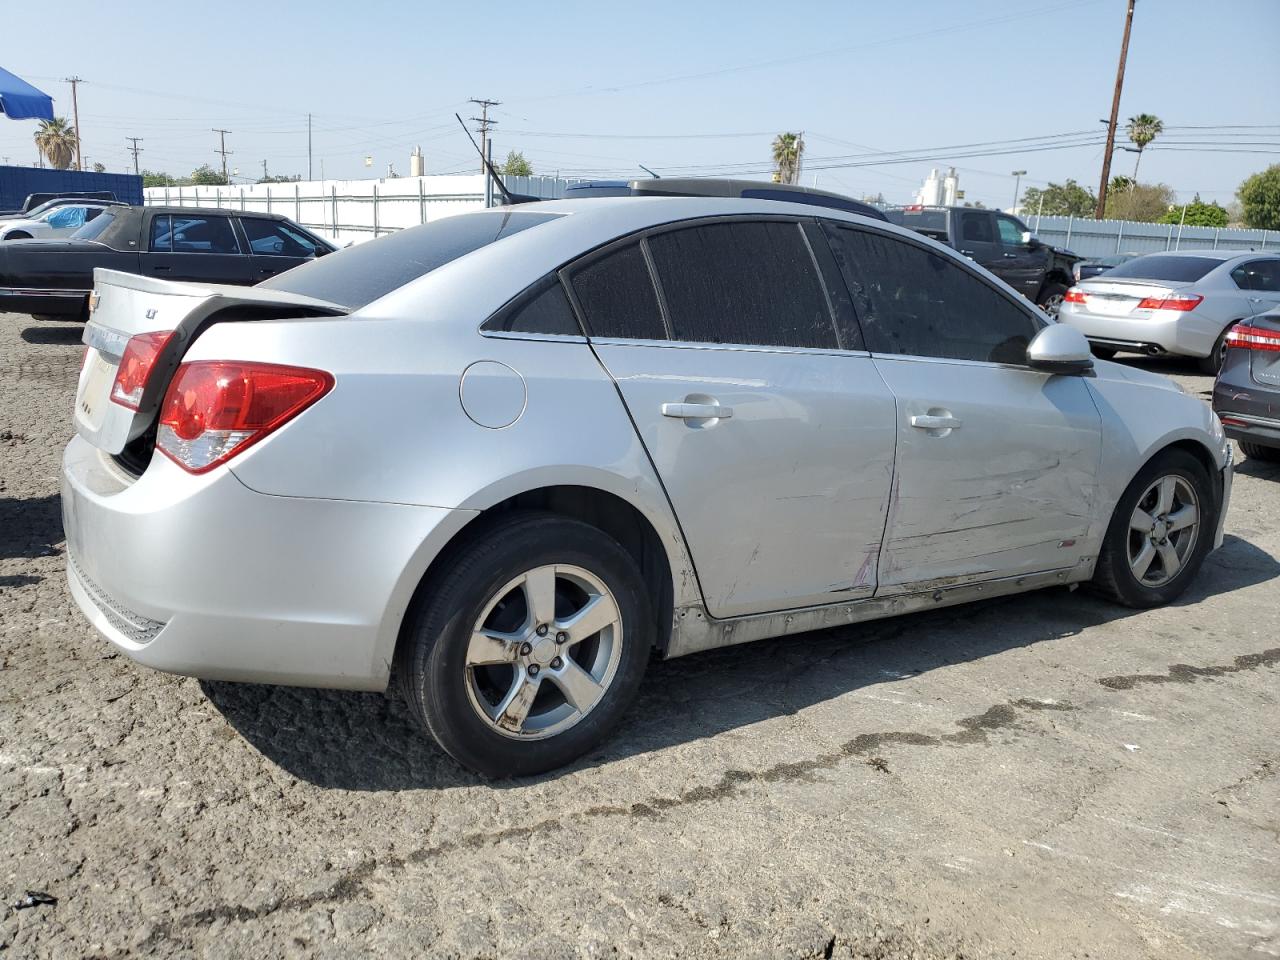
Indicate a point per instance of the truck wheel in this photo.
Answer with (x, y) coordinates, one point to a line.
(1256, 451)
(1051, 298)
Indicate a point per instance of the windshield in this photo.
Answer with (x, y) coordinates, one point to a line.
(1162, 267)
(361, 274)
(94, 227)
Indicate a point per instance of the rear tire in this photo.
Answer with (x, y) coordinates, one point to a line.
(491, 664)
(1051, 298)
(1148, 565)
(1256, 451)
(1211, 364)
(1103, 353)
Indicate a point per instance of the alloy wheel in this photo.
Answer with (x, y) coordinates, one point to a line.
(543, 652)
(1163, 529)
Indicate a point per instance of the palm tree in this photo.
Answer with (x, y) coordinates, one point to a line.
(1142, 129)
(787, 151)
(57, 142)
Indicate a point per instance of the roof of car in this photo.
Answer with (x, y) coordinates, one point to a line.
(1210, 254)
(220, 211)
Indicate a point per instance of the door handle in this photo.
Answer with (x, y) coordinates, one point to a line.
(157, 267)
(696, 411)
(931, 422)
(1009, 256)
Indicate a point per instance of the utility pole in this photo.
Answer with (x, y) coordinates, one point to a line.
(75, 114)
(308, 146)
(222, 139)
(135, 150)
(264, 169)
(1017, 182)
(485, 124)
(1115, 115)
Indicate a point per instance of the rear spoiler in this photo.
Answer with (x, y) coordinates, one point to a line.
(226, 294)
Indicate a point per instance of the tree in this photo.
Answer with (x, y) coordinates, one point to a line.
(788, 148)
(281, 178)
(1060, 200)
(1144, 202)
(1260, 199)
(516, 165)
(99, 168)
(1198, 214)
(151, 179)
(56, 141)
(205, 176)
(1142, 129)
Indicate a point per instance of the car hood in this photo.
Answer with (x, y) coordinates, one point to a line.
(1123, 373)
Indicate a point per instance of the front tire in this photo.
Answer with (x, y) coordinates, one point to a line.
(524, 653)
(1160, 532)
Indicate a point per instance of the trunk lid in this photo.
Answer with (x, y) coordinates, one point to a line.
(1119, 298)
(123, 305)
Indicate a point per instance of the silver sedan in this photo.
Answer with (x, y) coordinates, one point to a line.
(1181, 303)
(506, 457)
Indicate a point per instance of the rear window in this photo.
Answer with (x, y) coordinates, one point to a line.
(361, 274)
(922, 221)
(1160, 267)
(94, 228)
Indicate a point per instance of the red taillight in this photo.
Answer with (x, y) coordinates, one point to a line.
(1074, 295)
(1182, 302)
(216, 408)
(139, 359)
(1247, 337)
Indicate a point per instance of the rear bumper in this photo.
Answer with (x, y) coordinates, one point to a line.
(60, 303)
(1154, 331)
(204, 577)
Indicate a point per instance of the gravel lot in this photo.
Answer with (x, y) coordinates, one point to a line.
(1048, 776)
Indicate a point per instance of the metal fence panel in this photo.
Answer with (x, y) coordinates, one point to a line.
(1097, 238)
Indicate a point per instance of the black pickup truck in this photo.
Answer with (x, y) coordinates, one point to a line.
(53, 278)
(1001, 243)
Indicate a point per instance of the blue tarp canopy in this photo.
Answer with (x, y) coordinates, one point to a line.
(19, 100)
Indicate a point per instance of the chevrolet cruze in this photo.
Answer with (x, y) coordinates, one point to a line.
(503, 459)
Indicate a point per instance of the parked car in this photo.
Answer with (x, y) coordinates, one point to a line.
(1181, 303)
(35, 200)
(1001, 243)
(59, 202)
(513, 453)
(1088, 269)
(1246, 395)
(52, 278)
(59, 221)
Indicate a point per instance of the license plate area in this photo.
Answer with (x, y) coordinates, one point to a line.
(95, 391)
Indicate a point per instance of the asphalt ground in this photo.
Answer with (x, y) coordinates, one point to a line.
(1045, 776)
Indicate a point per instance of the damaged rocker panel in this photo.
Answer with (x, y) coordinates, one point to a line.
(693, 630)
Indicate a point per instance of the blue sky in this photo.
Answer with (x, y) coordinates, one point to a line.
(596, 89)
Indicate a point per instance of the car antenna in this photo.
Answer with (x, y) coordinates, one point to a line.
(497, 180)
(648, 171)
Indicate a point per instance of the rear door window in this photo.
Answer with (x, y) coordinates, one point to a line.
(616, 294)
(743, 282)
(365, 272)
(976, 227)
(1258, 275)
(915, 302)
(180, 233)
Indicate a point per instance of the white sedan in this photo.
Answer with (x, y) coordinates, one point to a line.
(54, 223)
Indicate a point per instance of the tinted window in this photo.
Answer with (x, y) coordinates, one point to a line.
(750, 283)
(91, 231)
(617, 296)
(1258, 275)
(976, 227)
(916, 302)
(361, 274)
(1158, 266)
(187, 234)
(1010, 231)
(272, 238)
(932, 222)
(545, 309)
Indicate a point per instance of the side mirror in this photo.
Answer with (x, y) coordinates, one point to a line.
(1060, 349)
(1029, 239)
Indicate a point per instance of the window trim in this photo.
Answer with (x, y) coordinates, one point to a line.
(964, 263)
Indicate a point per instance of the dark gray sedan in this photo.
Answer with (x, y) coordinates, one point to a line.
(1246, 395)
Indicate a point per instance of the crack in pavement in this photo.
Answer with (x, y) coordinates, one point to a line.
(974, 730)
(1185, 673)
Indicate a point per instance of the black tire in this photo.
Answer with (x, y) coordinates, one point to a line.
(1256, 451)
(1211, 364)
(432, 665)
(1102, 353)
(1113, 577)
(1050, 298)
